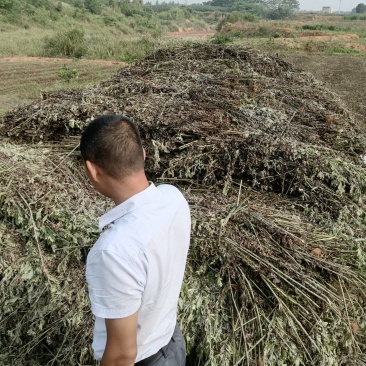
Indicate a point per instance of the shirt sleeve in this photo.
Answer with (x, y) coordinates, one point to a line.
(115, 284)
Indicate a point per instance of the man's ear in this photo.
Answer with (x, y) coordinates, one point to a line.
(92, 170)
(144, 151)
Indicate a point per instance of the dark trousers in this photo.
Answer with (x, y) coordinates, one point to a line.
(173, 354)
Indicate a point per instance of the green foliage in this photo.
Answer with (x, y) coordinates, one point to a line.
(6, 4)
(279, 9)
(39, 11)
(136, 50)
(273, 9)
(58, 6)
(94, 6)
(343, 50)
(236, 17)
(222, 38)
(208, 8)
(66, 44)
(67, 73)
(221, 3)
(361, 8)
(249, 6)
(326, 27)
(353, 17)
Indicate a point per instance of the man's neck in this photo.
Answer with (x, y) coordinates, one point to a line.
(122, 190)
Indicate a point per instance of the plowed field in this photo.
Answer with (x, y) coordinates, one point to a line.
(23, 78)
(344, 74)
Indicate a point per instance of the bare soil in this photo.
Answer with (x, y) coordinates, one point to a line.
(23, 78)
(191, 34)
(344, 74)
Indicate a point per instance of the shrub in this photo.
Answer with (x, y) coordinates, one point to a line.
(235, 17)
(263, 32)
(67, 73)
(344, 50)
(222, 39)
(66, 44)
(325, 27)
(355, 17)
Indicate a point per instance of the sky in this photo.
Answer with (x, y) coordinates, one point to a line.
(345, 5)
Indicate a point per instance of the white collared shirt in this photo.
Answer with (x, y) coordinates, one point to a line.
(138, 264)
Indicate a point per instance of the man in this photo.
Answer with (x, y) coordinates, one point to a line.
(135, 269)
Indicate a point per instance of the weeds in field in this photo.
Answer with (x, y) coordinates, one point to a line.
(355, 17)
(70, 43)
(67, 73)
(343, 50)
(327, 27)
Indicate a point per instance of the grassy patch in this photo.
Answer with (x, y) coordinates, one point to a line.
(344, 50)
(327, 27)
(355, 17)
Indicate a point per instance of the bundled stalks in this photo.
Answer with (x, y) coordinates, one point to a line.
(270, 161)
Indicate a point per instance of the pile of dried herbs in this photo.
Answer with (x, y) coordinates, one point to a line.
(271, 163)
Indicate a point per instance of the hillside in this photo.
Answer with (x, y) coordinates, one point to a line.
(111, 30)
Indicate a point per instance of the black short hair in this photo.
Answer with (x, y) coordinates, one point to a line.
(113, 143)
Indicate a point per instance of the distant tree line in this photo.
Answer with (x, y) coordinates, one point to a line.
(273, 9)
(361, 8)
(93, 6)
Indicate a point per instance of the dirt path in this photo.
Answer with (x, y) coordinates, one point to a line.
(191, 34)
(338, 37)
(60, 60)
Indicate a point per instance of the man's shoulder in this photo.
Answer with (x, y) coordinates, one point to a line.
(171, 191)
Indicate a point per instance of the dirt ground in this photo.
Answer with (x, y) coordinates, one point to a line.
(191, 34)
(344, 74)
(56, 60)
(23, 78)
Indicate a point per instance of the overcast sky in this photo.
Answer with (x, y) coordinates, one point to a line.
(346, 5)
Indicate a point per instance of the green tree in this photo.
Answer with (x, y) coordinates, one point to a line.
(255, 8)
(361, 8)
(230, 3)
(94, 6)
(71, 43)
(279, 9)
(273, 9)
(6, 4)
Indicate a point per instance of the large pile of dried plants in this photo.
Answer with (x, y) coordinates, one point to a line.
(272, 165)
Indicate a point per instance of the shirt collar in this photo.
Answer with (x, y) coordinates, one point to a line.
(127, 206)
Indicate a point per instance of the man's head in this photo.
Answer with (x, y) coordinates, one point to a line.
(113, 144)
